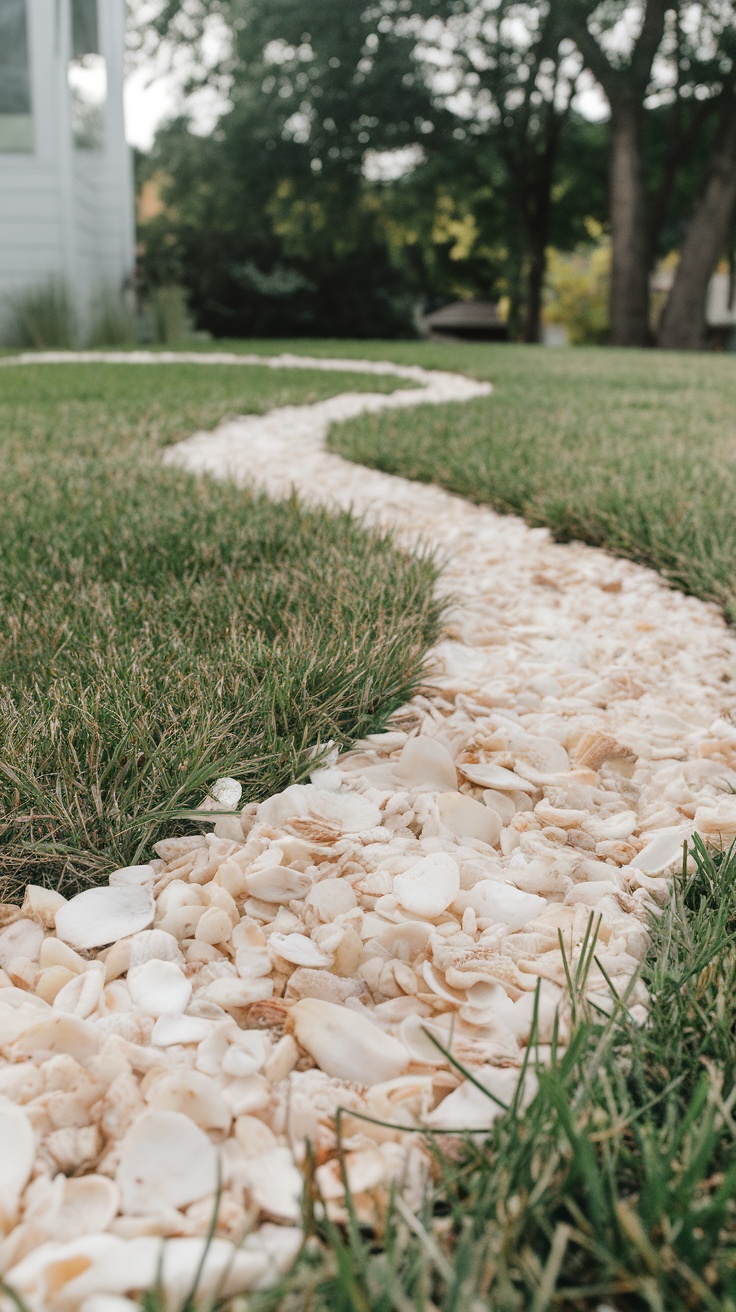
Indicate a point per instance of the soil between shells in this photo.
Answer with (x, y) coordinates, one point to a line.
(303, 955)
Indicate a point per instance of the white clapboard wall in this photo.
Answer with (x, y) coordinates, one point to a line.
(66, 198)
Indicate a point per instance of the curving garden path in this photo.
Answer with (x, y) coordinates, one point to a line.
(304, 956)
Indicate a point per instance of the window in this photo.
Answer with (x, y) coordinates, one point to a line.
(16, 119)
(87, 76)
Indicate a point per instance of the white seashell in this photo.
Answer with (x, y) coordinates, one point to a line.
(17, 1151)
(502, 803)
(298, 949)
(275, 1184)
(132, 877)
(466, 818)
(249, 1093)
(502, 903)
(407, 940)
(42, 904)
(227, 792)
(58, 1033)
(23, 938)
(102, 915)
(349, 812)
(95, 1264)
(220, 1268)
(78, 1207)
(193, 1094)
(486, 775)
(332, 898)
(346, 1044)
(165, 1161)
(468, 1108)
(717, 822)
(662, 851)
(19, 1011)
(109, 1303)
(158, 988)
(234, 992)
(80, 996)
(171, 1030)
(428, 887)
(279, 884)
(424, 761)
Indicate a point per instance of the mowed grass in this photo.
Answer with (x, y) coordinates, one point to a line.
(158, 630)
(633, 451)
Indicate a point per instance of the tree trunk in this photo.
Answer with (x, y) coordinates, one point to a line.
(629, 294)
(683, 325)
(535, 288)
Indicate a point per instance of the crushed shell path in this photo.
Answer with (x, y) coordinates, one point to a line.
(220, 1004)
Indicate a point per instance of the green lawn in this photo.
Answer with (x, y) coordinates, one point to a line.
(630, 450)
(159, 630)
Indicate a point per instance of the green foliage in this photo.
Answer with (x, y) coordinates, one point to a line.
(577, 290)
(630, 451)
(161, 630)
(41, 316)
(113, 323)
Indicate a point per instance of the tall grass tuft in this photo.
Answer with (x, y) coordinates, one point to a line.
(113, 323)
(43, 316)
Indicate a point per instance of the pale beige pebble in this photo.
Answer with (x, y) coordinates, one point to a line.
(252, 962)
(225, 793)
(195, 1095)
(57, 1032)
(101, 915)
(215, 895)
(230, 828)
(165, 1160)
(502, 803)
(81, 994)
(109, 1303)
(158, 988)
(51, 980)
(466, 818)
(254, 1136)
(282, 1060)
(148, 945)
(214, 927)
(425, 761)
(41, 904)
(196, 953)
(469, 1108)
(121, 1105)
(248, 1093)
(22, 938)
(364, 1170)
(429, 886)
(179, 893)
(275, 1184)
(22, 972)
(345, 1043)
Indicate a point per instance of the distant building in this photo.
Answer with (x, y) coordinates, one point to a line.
(66, 185)
(467, 321)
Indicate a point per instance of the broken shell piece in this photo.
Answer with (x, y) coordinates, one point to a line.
(158, 987)
(502, 903)
(275, 1184)
(662, 851)
(502, 803)
(172, 1029)
(717, 822)
(424, 761)
(280, 884)
(23, 938)
(81, 994)
(486, 775)
(331, 898)
(466, 818)
(214, 927)
(17, 1151)
(346, 1044)
(429, 886)
(193, 1094)
(594, 748)
(227, 793)
(165, 1161)
(298, 949)
(78, 1207)
(42, 904)
(132, 877)
(102, 915)
(468, 1108)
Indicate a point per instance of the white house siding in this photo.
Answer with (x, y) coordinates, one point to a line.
(64, 211)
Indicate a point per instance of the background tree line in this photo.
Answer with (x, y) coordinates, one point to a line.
(374, 153)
